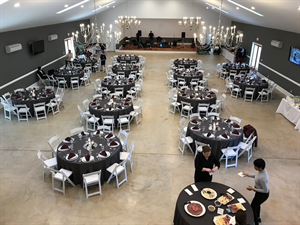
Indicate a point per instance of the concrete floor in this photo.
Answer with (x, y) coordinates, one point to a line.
(160, 171)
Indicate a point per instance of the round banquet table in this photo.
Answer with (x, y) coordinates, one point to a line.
(111, 84)
(195, 97)
(126, 68)
(128, 58)
(68, 74)
(257, 84)
(187, 63)
(109, 107)
(78, 167)
(25, 98)
(237, 68)
(182, 218)
(216, 142)
(187, 75)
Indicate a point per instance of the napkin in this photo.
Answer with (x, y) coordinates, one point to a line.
(235, 125)
(220, 211)
(208, 134)
(194, 121)
(194, 187)
(228, 121)
(225, 136)
(68, 139)
(71, 155)
(110, 135)
(97, 132)
(82, 133)
(235, 132)
(64, 146)
(188, 192)
(241, 200)
(230, 190)
(113, 143)
(103, 153)
(88, 157)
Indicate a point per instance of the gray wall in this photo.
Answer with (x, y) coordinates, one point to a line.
(18, 63)
(275, 58)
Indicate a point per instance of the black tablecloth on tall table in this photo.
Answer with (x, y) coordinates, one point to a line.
(111, 84)
(119, 107)
(182, 218)
(68, 74)
(216, 143)
(78, 167)
(196, 97)
(26, 98)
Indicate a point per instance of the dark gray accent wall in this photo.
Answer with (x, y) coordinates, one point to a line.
(18, 63)
(275, 58)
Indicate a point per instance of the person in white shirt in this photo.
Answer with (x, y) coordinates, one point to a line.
(261, 188)
(69, 58)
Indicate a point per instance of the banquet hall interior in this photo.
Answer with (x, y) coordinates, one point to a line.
(217, 52)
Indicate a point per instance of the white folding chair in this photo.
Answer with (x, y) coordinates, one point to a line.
(203, 109)
(8, 109)
(128, 156)
(236, 119)
(235, 91)
(108, 121)
(123, 136)
(53, 106)
(124, 121)
(247, 147)
(92, 179)
(186, 109)
(47, 163)
(185, 142)
(230, 154)
(54, 143)
(61, 82)
(116, 170)
(22, 112)
(92, 122)
(74, 83)
(40, 110)
(61, 176)
(249, 94)
(119, 91)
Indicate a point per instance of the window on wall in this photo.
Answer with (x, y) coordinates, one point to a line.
(255, 55)
(69, 45)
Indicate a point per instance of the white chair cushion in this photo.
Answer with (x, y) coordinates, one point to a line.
(123, 120)
(91, 179)
(124, 155)
(108, 121)
(38, 109)
(51, 162)
(113, 166)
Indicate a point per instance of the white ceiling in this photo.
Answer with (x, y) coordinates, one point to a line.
(279, 14)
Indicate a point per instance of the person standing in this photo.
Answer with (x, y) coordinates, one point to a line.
(261, 188)
(69, 58)
(206, 164)
(103, 60)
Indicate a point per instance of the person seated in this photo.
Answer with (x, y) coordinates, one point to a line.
(151, 35)
(41, 73)
(82, 58)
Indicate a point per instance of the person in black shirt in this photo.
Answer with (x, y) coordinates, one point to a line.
(205, 165)
(41, 73)
(102, 59)
(240, 217)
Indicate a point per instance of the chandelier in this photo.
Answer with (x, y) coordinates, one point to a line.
(215, 35)
(193, 23)
(127, 21)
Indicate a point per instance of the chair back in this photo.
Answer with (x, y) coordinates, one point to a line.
(97, 173)
(41, 104)
(54, 142)
(235, 119)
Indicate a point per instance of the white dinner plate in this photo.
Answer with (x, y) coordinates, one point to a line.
(203, 209)
(101, 156)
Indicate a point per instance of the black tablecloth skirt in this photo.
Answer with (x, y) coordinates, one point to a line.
(79, 168)
(182, 218)
(258, 87)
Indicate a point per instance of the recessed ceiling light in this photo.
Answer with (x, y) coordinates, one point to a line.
(207, 7)
(252, 7)
(66, 5)
(244, 7)
(114, 6)
(3, 1)
(82, 6)
(16, 5)
(72, 6)
(237, 8)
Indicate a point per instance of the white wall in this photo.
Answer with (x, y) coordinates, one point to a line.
(160, 16)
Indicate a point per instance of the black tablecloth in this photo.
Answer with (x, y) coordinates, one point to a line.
(99, 108)
(78, 167)
(257, 84)
(128, 58)
(25, 98)
(216, 143)
(68, 74)
(111, 84)
(182, 218)
(126, 68)
(205, 96)
(187, 75)
(187, 63)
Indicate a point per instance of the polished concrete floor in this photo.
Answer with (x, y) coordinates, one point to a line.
(160, 171)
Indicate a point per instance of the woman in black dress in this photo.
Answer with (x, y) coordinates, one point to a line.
(205, 165)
